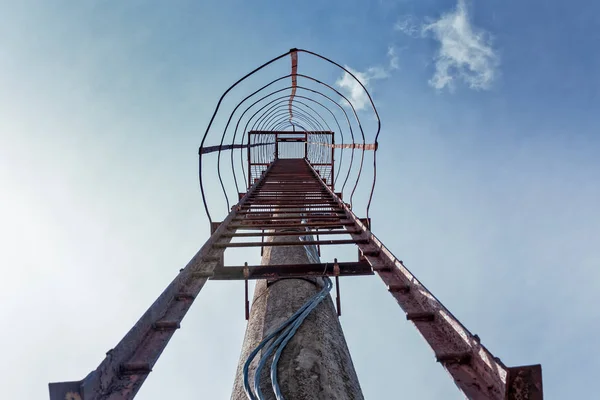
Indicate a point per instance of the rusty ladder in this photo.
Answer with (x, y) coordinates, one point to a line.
(285, 188)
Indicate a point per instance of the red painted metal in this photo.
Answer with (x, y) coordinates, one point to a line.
(291, 271)
(474, 369)
(294, 59)
(290, 180)
(289, 193)
(525, 383)
(127, 366)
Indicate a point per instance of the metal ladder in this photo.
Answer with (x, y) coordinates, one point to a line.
(290, 194)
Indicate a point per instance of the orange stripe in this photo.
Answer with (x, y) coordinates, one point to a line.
(294, 56)
(369, 146)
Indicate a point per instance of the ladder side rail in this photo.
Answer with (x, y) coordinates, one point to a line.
(127, 365)
(476, 372)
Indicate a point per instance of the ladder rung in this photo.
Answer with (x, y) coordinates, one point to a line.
(399, 288)
(381, 267)
(310, 213)
(426, 316)
(283, 205)
(304, 188)
(291, 271)
(455, 358)
(313, 225)
(166, 325)
(135, 368)
(184, 296)
(201, 274)
(371, 252)
(290, 196)
(300, 219)
(300, 232)
(293, 243)
(254, 209)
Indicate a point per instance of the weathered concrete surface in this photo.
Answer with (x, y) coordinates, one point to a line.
(316, 363)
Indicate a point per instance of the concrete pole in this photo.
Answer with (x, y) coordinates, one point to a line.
(316, 363)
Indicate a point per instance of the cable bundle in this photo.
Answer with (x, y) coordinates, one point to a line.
(283, 334)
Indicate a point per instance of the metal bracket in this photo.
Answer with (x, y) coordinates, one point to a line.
(366, 222)
(247, 301)
(338, 300)
(214, 226)
(75, 390)
(524, 383)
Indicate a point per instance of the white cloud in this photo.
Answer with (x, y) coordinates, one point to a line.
(353, 90)
(408, 25)
(393, 56)
(465, 52)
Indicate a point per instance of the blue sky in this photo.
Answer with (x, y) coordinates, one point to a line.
(488, 186)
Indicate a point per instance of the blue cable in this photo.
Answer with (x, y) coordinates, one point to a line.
(289, 328)
(264, 357)
(288, 333)
(274, 381)
(247, 389)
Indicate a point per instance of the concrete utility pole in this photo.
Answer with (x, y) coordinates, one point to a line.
(316, 363)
